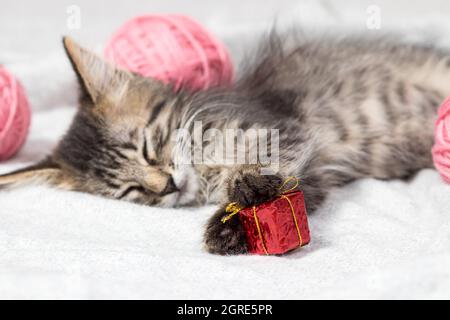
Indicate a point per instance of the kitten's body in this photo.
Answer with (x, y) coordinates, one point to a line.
(345, 109)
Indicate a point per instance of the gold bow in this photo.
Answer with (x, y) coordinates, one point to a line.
(233, 208)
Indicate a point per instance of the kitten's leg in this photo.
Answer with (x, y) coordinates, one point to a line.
(247, 187)
(225, 238)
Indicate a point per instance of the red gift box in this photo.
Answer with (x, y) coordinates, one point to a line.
(277, 226)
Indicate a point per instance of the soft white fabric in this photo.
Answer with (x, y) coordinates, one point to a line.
(371, 239)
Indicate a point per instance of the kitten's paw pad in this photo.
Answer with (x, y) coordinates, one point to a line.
(252, 189)
(225, 238)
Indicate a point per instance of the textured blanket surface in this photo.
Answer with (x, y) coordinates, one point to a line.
(371, 239)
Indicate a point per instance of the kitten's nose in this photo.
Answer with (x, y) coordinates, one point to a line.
(170, 187)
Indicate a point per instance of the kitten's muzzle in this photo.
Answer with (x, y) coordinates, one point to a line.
(170, 187)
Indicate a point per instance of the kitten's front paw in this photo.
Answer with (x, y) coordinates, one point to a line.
(225, 238)
(249, 188)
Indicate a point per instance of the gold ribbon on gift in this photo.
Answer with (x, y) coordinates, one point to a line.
(233, 208)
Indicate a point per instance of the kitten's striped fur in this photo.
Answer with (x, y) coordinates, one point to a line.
(346, 109)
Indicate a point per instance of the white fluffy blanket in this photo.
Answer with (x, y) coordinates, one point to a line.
(371, 239)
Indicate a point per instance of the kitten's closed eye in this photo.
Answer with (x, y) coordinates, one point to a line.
(130, 189)
(150, 161)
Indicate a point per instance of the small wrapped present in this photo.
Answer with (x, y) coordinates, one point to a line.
(274, 227)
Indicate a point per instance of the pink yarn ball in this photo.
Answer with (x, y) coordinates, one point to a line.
(441, 148)
(172, 48)
(14, 115)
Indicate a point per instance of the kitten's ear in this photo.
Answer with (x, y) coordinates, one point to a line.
(44, 172)
(97, 77)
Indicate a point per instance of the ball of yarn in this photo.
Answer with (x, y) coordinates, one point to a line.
(441, 148)
(172, 48)
(14, 115)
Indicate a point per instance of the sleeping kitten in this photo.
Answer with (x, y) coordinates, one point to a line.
(345, 109)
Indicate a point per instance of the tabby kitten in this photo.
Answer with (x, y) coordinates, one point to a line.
(345, 109)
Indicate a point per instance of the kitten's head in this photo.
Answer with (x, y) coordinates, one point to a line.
(120, 143)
